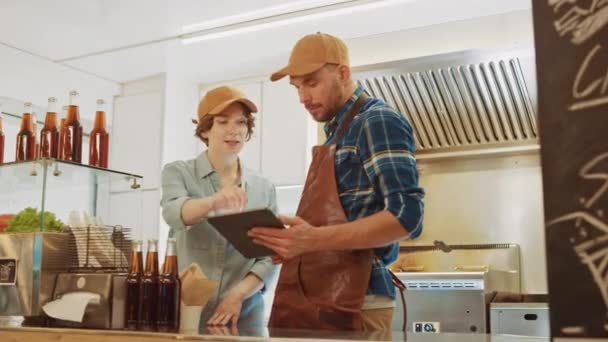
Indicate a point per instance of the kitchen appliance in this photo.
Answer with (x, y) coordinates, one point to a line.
(524, 315)
(525, 319)
(49, 265)
(38, 258)
(449, 287)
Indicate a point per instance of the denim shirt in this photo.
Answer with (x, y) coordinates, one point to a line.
(203, 244)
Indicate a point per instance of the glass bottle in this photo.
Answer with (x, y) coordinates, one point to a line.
(1, 139)
(26, 139)
(62, 134)
(100, 139)
(36, 144)
(72, 140)
(169, 292)
(149, 298)
(133, 300)
(49, 135)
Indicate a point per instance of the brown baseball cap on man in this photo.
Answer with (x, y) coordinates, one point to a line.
(311, 53)
(218, 99)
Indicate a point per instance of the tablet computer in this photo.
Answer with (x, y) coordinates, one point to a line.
(234, 228)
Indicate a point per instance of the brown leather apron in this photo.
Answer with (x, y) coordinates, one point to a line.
(323, 290)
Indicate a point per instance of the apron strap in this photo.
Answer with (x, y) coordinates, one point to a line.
(401, 286)
(355, 109)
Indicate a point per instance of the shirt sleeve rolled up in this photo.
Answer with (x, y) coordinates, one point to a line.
(386, 147)
(174, 194)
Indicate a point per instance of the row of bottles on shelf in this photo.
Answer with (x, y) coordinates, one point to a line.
(63, 142)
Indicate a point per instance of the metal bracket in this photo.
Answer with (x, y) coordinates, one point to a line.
(135, 185)
(34, 170)
(56, 171)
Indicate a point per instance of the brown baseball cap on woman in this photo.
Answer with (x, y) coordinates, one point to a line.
(311, 53)
(218, 99)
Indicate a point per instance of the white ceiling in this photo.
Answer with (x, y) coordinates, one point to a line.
(124, 40)
(65, 29)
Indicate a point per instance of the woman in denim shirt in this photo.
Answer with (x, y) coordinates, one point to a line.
(217, 180)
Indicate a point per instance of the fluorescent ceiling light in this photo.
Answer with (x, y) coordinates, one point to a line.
(230, 26)
(259, 14)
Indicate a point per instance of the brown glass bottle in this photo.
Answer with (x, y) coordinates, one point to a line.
(169, 292)
(100, 139)
(26, 138)
(149, 299)
(1, 139)
(36, 145)
(134, 292)
(72, 139)
(62, 135)
(49, 135)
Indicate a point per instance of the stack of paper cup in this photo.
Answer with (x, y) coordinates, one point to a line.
(189, 318)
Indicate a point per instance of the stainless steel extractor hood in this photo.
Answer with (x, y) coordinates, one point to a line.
(461, 103)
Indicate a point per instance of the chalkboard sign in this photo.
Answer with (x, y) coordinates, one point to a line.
(572, 66)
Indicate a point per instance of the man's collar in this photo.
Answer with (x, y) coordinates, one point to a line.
(331, 126)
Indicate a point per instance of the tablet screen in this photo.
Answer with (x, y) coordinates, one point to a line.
(234, 228)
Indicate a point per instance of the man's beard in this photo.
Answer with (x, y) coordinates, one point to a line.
(337, 93)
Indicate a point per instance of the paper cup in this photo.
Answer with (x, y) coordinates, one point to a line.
(190, 316)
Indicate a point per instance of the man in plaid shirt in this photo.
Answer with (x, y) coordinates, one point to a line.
(375, 173)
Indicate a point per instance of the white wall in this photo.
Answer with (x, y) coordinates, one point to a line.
(181, 100)
(136, 148)
(25, 77)
(488, 200)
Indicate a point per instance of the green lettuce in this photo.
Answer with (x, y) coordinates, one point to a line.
(28, 220)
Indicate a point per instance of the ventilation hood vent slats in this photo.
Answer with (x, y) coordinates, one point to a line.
(516, 99)
(464, 105)
(478, 111)
(421, 112)
(438, 109)
(450, 109)
(489, 111)
(475, 105)
(505, 102)
(523, 90)
(498, 102)
(406, 105)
